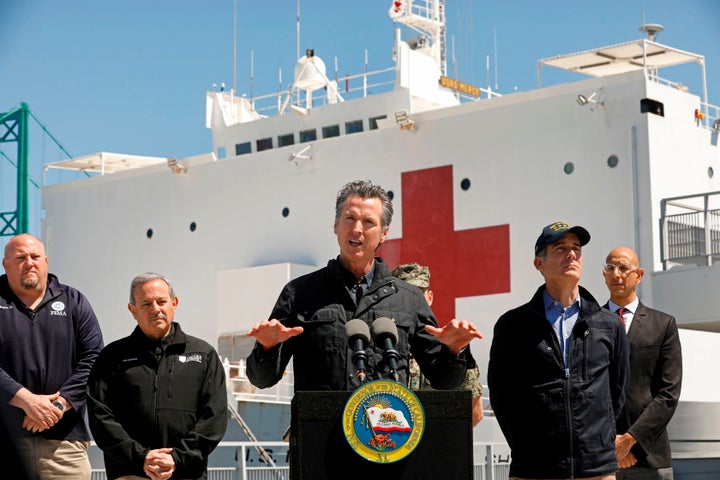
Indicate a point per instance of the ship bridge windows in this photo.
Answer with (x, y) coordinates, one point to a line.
(308, 135)
(264, 144)
(372, 121)
(243, 148)
(331, 131)
(285, 140)
(354, 126)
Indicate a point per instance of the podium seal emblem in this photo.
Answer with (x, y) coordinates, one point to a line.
(383, 421)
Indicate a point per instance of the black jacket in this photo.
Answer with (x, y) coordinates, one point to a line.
(321, 304)
(654, 389)
(145, 394)
(558, 426)
(49, 349)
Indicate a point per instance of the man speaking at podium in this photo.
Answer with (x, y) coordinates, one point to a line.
(309, 317)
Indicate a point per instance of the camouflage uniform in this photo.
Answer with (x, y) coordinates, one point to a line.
(419, 276)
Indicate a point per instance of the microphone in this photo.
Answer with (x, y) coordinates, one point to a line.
(385, 334)
(358, 335)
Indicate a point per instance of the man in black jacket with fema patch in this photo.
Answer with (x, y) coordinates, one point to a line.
(157, 399)
(558, 370)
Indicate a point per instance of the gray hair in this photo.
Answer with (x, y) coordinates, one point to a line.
(145, 278)
(365, 189)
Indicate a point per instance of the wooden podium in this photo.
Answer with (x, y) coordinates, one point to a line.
(319, 449)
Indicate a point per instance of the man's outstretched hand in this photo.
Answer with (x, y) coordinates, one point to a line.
(456, 335)
(270, 333)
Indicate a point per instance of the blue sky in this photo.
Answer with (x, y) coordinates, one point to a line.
(130, 76)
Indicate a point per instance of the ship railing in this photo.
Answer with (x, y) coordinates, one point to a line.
(708, 115)
(242, 390)
(690, 230)
(487, 464)
(349, 86)
(712, 113)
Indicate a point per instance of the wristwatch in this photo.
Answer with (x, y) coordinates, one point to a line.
(59, 405)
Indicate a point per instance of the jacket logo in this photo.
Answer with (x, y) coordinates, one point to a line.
(6, 307)
(58, 308)
(193, 357)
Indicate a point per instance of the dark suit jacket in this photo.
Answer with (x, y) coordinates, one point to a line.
(654, 389)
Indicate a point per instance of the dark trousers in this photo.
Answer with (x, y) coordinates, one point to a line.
(639, 473)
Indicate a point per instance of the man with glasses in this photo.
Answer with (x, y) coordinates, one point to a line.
(642, 445)
(558, 370)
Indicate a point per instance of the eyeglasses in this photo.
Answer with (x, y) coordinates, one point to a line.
(622, 268)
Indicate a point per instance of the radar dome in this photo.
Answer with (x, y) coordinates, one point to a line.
(310, 72)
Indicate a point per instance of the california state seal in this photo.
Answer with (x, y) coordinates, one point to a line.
(383, 421)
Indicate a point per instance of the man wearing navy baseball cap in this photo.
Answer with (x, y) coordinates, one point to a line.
(558, 370)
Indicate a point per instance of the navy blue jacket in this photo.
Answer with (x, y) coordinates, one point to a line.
(45, 350)
(558, 425)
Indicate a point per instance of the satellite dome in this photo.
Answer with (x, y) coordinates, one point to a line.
(310, 72)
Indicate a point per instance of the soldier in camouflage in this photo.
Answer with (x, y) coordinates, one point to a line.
(419, 276)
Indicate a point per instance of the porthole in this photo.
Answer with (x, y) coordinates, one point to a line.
(193, 226)
(149, 233)
(613, 161)
(568, 168)
(465, 184)
(285, 212)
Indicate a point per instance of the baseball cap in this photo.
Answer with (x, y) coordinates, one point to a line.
(414, 274)
(555, 231)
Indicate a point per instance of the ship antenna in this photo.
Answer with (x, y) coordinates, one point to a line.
(651, 29)
(235, 46)
(496, 59)
(297, 40)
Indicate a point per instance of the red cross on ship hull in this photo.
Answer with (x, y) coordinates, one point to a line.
(463, 263)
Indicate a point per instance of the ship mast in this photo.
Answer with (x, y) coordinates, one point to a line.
(428, 18)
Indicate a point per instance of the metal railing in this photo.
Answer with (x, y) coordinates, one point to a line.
(690, 230)
(249, 469)
(348, 86)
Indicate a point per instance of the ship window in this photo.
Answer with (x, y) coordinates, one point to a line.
(285, 140)
(372, 121)
(243, 148)
(221, 152)
(264, 144)
(308, 135)
(331, 131)
(354, 126)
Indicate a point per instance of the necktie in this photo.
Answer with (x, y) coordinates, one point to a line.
(620, 312)
(358, 292)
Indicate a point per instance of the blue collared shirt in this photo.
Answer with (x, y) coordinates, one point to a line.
(562, 320)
